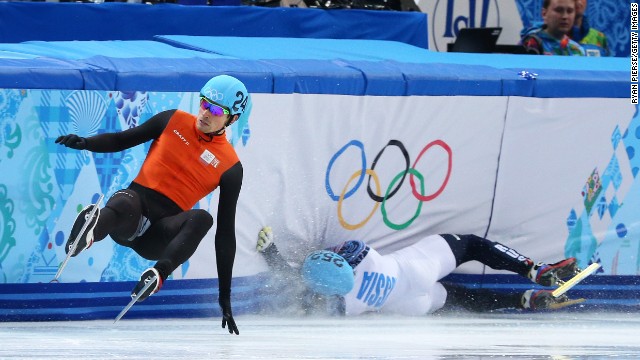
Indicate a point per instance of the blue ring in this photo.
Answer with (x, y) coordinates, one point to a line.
(332, 195)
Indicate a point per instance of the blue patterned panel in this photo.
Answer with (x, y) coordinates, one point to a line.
(130, 105)
(631, 139)
(612, 174)
(616, 136)
(618, 247)
(86, 110)
(613, 207)
(10, 130)
(601, 206)
(108, 164)
(55, 121)
(7, 226)
(125, 265)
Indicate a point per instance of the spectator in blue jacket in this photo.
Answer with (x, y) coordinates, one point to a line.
(551, 37)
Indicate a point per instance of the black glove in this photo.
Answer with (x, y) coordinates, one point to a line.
(227, 316)
(72, 141)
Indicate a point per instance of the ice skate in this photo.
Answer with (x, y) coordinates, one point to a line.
(553, 274)
(149, 284)
(142, 291)
(544, 300)
(81, 236)
(568, 284)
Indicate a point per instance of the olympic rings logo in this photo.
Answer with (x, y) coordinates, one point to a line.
(214, 95)
(380, 201)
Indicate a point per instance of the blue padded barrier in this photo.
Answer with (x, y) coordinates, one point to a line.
(40, 74)
(75, 50)
(580, 83)
(153, 74)
(131, 65)
(256, 48)
(426, 72)
(381, 78)
(446, 79)
(309, 66)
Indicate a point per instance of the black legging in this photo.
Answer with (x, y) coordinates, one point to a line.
(493, 254)
(172, 237)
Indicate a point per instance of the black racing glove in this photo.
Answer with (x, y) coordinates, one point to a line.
(227, 316)
(72, 141)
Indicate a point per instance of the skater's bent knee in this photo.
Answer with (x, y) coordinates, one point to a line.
(125, 201)
(202, 217)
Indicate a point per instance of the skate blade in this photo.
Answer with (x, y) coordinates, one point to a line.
(75, 242)
(575, 280)
(557, 306)
(134, 299)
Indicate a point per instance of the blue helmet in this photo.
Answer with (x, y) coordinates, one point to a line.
(354, 251)
(327, 273)
(231, 93)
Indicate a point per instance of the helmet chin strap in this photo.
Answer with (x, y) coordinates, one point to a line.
(232, 119)
(219, 132)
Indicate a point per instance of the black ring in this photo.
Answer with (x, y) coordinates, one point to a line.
(400, 146)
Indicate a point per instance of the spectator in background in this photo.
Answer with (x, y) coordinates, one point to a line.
(551, 37)
(593, 41)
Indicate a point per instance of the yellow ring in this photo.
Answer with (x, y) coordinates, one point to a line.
(344, 191)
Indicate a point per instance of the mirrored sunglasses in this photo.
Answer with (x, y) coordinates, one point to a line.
(214, 109)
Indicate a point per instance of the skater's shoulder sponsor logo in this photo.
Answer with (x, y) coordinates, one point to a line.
(375, 288)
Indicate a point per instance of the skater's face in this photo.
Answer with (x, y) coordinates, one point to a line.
(212, 117)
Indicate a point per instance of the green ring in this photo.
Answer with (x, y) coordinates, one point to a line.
(415, 216)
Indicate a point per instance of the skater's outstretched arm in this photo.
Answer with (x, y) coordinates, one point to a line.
(113, 142)
(267, 247)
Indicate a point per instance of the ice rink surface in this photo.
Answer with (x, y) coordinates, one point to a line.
(557, 336)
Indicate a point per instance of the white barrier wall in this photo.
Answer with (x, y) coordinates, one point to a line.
(308, 151)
